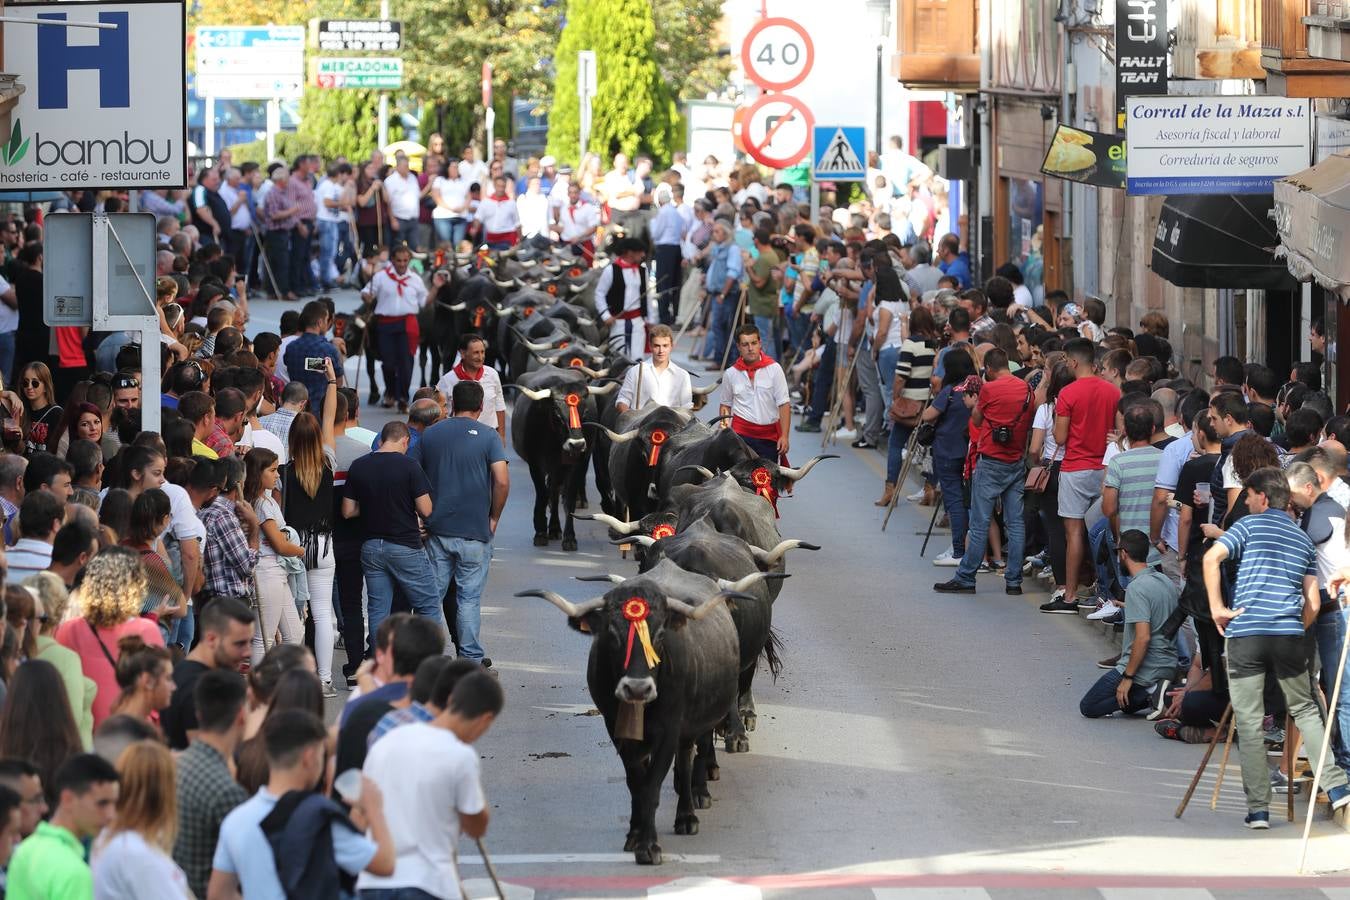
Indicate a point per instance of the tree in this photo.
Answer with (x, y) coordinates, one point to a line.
(687, 51)
(633, 110)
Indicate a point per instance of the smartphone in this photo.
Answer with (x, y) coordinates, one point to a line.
(315, 363)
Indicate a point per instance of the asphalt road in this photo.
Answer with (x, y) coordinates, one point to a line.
(916, 745)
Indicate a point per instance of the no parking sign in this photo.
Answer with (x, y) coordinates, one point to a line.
(777, 54)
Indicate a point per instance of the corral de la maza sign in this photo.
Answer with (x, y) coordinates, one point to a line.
(102, 107)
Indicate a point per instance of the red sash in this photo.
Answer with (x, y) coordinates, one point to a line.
(746, 428)
(409, 325)
(500, 237)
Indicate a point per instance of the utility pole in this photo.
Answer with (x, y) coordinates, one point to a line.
(383, 135)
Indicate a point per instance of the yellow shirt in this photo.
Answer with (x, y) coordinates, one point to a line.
(200, 449)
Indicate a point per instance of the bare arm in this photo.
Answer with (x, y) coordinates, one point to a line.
(423, 505)
(1111, 508)
(475, 826)
(1157, 514)
(1312, 601)
(1061, 430)
(280, 543)
(350, 508)
(223, 886)
(329, 405)
(501, 487)
(1221, 614)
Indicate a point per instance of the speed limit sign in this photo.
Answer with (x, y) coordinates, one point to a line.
(777, 54)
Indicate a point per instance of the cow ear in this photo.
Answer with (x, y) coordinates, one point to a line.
(586, 624)
(675, 621)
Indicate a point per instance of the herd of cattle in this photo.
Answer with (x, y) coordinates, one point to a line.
(675, 648)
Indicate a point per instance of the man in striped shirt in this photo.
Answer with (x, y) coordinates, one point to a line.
(1274, 602)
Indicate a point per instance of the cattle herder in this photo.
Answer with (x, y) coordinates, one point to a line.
(755, 396)
(623, 287)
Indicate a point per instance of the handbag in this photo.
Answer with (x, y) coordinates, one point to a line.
(905, 411)
(1038, 479)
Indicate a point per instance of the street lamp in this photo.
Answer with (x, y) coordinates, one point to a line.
(879, 11)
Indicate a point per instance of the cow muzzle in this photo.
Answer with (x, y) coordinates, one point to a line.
(574, 445)
(636, 690)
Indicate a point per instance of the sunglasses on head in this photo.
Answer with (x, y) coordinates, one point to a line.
(126, 381)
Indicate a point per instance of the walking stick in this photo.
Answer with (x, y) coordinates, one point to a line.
(262, 252)
(379, 222)
(491, 869)
(838, 387)
(731, 338)
(923, 551)
(1321, 756)
(912, 449)
(1223, 764)
(697, 313)
(1209, 751)
(837, 414)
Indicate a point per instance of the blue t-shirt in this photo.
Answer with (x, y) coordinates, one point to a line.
(952, 435)
(1273, 556)
(958, 268)
(244, 850)
(457, 454)
(312, 345)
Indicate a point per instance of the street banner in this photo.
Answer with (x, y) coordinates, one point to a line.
(1215, 145)
(348, 35)
(1087, 157)
(1141, 52)
(373, 72)
(104, 107)
(250, 62)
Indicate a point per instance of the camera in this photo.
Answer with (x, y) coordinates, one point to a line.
(315, 363)
(1002, 434)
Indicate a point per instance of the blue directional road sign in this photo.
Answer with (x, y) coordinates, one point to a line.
(839, 153)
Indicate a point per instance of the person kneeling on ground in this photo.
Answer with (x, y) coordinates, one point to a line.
(1147, 658)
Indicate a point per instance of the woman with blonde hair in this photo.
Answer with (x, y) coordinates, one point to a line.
(53, 601)
(275, 601)
(110, 598)
(132, 859)
(41, 411)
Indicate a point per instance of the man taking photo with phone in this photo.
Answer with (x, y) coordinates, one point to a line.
(313, 345)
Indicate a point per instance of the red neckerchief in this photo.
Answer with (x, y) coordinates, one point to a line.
(463, 375)
(400, 280)
(625, 264)
(751, 368)
(500, 198)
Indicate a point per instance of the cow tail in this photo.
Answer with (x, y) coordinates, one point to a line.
(773, 649)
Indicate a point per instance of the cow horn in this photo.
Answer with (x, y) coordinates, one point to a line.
(586, 321)
(613, 523)
(609, 576)
(552, 270)
(705, 391)
(570, 609)
(697, 612)
(535, 395)
(797, 474)
(614, 435)
(511, 282)
(702, 470)
(528, 263)
(771, 557)
(456, 307)
(535, 346)
(749, 581)
(593, 373)
(576, 288)
(601, 391)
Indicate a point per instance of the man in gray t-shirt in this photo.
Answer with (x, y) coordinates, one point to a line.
(466, 465)
(1147, 657)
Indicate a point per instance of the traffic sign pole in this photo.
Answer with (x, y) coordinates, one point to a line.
(383, 130)
(209, 112)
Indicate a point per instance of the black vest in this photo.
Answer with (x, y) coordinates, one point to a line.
(618, 287)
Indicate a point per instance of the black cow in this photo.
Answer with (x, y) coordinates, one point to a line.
(708, 447)
(635, 451)
(666, 707)
(438, 336)
(478, 297)
(546, 432)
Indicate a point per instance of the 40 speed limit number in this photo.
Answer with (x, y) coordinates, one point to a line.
(777, 54)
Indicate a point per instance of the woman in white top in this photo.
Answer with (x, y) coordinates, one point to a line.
(275, 600)
(450, 217)
(131, 859)
(892, 319)
(1046, 452)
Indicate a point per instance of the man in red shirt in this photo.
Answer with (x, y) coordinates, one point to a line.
(1084, 413)
(1002, 410)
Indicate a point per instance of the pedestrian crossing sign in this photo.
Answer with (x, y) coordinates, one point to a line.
(839, 153)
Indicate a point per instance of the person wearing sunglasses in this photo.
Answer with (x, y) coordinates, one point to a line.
(126, 391)
(41, 412)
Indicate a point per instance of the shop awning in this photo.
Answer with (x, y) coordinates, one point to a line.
(1312, 212)
(1219, 241)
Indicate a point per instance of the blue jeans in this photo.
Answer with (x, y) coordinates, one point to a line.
(450, 231)
(895, 450)
(799, 332)
(328, 243)
(1330, 632)
(399, 893)
(820, 390)
(768, 334)
(995, 479)
(763, 448)
(1100, 699)
(466, 562)
(386, 564)
(886, 360)
(396, 359)
(1105, 574)
(719, 327)
(182, 630)
(949, 474)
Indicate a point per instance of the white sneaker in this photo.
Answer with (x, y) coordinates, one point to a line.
(946, 559)
(1105, 611)
(846, 434)
(916, 496)
(1057, 596)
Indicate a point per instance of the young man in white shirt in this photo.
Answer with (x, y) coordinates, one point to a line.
(755, 396)
(576, 223)
(404, 194)
(621, 297)
(398, 295)
(499, 217)
(329, 198)
(428, 774)
(472, 354)
(657, 381)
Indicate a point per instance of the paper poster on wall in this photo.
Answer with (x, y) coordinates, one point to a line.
(1088, 157)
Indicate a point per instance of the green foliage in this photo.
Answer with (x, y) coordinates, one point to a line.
(289, 145)
(633, 109)
(686, 48)
(343, 122)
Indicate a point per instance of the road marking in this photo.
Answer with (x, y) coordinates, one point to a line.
(585, 859)
(931, 893)
(482, 887)
(697, 888)
(1127, 893)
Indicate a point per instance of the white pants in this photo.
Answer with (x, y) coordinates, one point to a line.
(321, 607)
(276, 607)
(628, 337)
